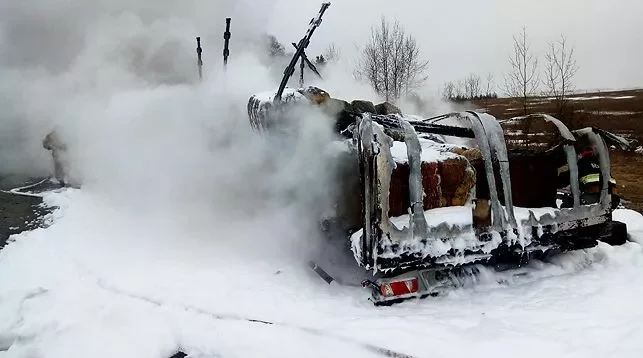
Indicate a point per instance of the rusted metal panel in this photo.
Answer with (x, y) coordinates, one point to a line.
(445, 183)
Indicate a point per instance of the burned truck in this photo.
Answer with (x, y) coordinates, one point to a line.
(422, 197)
(425, 200)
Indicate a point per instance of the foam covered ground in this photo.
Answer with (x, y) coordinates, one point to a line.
(104, 281)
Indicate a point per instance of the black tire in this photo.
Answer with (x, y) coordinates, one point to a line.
(615, 233)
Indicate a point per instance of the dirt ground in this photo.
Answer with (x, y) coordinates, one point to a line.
(620, 112)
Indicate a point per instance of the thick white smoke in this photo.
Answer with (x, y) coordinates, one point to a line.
(57, 57)
(118, 80)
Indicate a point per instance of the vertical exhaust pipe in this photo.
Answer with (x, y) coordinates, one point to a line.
(226, 44)
(199, 50)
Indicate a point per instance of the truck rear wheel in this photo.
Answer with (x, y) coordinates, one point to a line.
(615, 233)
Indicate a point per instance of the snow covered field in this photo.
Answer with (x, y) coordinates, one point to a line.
(105, 282)
(189, 234)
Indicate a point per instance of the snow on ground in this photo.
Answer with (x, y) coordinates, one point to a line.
(634, 223)
(104, 281)
(593, 98)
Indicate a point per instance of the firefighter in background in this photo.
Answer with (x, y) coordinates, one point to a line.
(591, 181)
(58, 150)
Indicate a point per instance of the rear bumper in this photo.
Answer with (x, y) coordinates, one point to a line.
(439, 278)
(503, 250)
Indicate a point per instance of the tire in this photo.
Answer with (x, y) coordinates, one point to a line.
(615, 233)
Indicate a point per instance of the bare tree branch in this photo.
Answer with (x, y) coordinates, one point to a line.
(559, 72)
(490, 86)
(449, 91)
(331, 53)
(391, 61)
(472, 86)
(522, 81)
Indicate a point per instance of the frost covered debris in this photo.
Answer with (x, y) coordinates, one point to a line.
(426, 172)
(431, 151)
(90, 278)
(451, 228)
(454, 220)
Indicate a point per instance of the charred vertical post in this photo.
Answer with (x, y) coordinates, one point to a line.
(199, 62)
(226, 44)
(301, 75)
(307, 61)
(301, 47)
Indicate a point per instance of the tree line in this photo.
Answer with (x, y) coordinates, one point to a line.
(525, 79)
(472, 87)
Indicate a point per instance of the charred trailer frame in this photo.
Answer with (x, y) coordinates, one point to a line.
(397, 257)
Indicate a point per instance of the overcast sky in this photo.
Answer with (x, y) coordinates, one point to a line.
(463, 36)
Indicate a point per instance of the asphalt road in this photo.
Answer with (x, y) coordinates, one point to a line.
(19, 213)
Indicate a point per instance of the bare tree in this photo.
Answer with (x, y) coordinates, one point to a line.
(559, 72)
(472, 86)
(522, 81)
(331, 53)
(448, 92)
(461, 89)
(391, 61)
(273, 47)
(490, 86)
(415, 68)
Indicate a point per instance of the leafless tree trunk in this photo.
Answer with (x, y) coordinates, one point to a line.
(415, 71)
(371, 65)
(331, 53)
(472, 86)
(522, 80)
(448, 93)
(461, 89)
(391, 61)
(490, 86)
(559, 72)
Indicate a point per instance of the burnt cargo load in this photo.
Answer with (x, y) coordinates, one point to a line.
(426, 195)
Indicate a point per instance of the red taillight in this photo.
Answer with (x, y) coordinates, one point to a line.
(399, 288)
